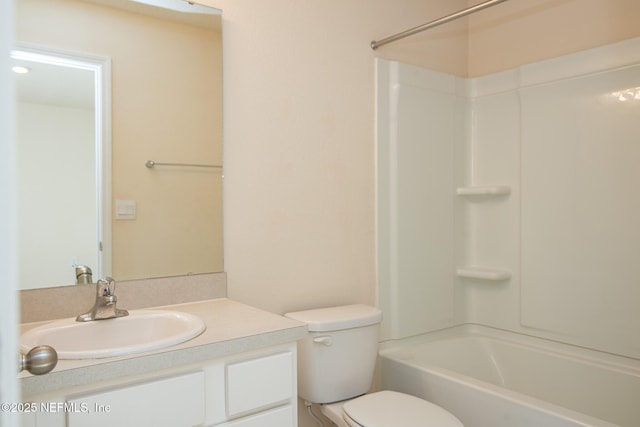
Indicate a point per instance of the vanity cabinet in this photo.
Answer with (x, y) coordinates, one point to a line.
(254, 389)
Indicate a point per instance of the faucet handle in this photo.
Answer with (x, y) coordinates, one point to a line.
(106, 287)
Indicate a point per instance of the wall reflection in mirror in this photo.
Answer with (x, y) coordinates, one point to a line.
(81, 169)
(63, 164)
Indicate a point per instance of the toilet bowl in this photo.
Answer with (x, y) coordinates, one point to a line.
(336, 361)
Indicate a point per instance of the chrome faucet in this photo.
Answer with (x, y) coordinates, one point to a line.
(105, 306)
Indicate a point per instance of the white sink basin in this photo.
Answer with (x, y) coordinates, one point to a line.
(142, 330)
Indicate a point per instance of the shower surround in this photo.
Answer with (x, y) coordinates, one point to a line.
(510, 200)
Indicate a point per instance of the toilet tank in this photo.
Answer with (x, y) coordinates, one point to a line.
(337, 358)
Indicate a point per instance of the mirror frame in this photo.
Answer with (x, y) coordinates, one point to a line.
(101, 67)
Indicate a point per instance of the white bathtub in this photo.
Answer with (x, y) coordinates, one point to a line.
(492, 378)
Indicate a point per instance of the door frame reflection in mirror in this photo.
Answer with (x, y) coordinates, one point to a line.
(101, 68)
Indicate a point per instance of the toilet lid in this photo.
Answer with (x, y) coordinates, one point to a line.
(393, 409)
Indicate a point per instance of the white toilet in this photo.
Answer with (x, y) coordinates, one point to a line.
(336, 361)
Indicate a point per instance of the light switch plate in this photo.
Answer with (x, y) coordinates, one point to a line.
(126, 209)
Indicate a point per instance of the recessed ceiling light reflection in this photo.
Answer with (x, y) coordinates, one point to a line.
(20, 70)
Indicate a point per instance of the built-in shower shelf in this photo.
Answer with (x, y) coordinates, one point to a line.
(483, 273)
(483, 190)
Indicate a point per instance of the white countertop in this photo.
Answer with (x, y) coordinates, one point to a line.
(232, 328)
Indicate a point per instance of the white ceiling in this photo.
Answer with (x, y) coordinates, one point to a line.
(174, 10)
(55, 85)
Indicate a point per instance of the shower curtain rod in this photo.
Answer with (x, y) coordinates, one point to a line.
(462, 13)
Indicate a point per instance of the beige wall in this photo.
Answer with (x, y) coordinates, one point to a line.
(162, 111)
(299, 186)
(61, 138)
(522, 31)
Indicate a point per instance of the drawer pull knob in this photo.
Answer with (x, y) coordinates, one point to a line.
(326, 341)
(39, 360)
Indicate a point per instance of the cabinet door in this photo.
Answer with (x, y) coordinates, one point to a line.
(279, 417)
(171, 402)
(260, 383)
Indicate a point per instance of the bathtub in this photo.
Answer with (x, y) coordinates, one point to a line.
(493, 378)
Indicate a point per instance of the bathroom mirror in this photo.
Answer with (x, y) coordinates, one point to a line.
(166, 83)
